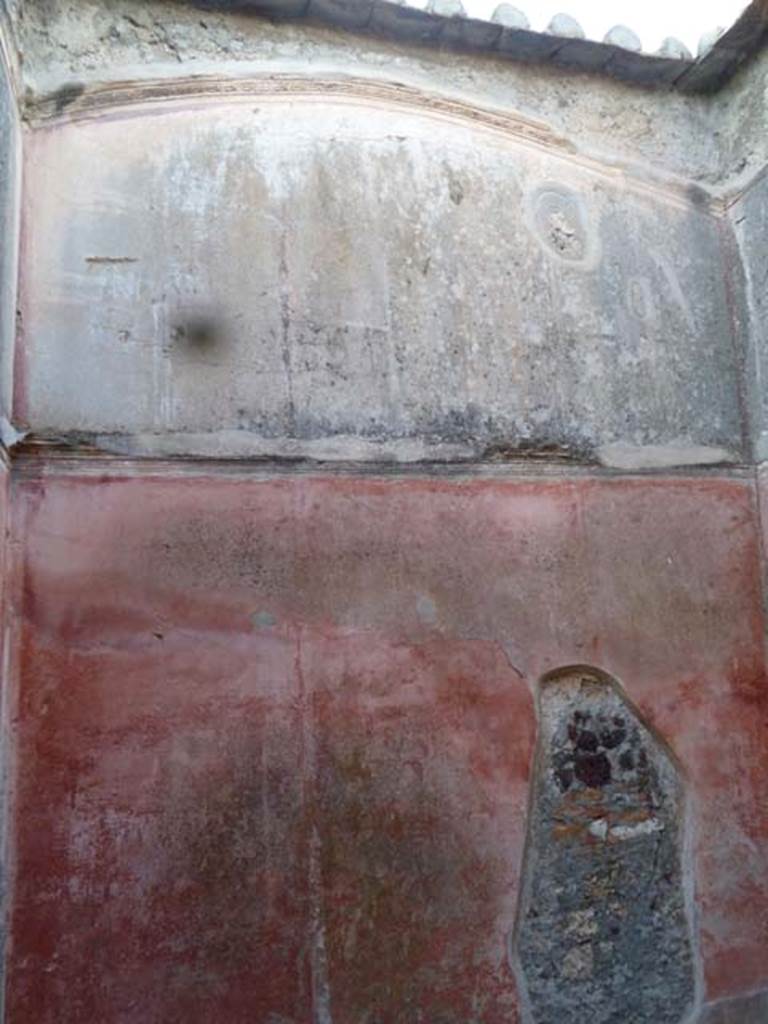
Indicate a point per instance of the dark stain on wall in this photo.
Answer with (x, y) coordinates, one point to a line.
(66, 95)
(603, 933)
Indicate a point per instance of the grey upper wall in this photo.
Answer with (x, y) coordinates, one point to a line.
(619, 55)
(81, 53)
(743, 114)
(740, 121)
(244, 238)
(507, 36)
(360, 274)
(10, 184)
(749, 217)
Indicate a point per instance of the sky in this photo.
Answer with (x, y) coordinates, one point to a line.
(652, 20)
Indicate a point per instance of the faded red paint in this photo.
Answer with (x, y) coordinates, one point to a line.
(5, 483)
(274, 736)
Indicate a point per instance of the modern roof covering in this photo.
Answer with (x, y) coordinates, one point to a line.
(444, 24)
(651, 21)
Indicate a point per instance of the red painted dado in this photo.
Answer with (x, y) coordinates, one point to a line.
(273, 737)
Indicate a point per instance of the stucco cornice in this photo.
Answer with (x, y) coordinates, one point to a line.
(136, 98)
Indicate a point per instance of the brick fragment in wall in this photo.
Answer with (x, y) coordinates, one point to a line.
(603, 931)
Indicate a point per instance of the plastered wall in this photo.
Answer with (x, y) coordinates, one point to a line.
(10, 189)
(275, 737)
(200, 281)
(366, 393)
(749, 216)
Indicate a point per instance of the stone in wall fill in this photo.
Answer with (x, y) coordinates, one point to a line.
(603, 932)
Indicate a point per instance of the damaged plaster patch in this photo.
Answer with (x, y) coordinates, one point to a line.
(662, 456)
(603, 933)
(561, 224)
(9, 435)
(110, 259)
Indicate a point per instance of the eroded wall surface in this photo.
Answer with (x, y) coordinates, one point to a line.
(71, 46)
(292, 274)
(749, 216)
(274, 731)
(275, 735)
(10, 185)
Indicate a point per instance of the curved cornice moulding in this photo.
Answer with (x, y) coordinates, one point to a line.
(147, 97)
